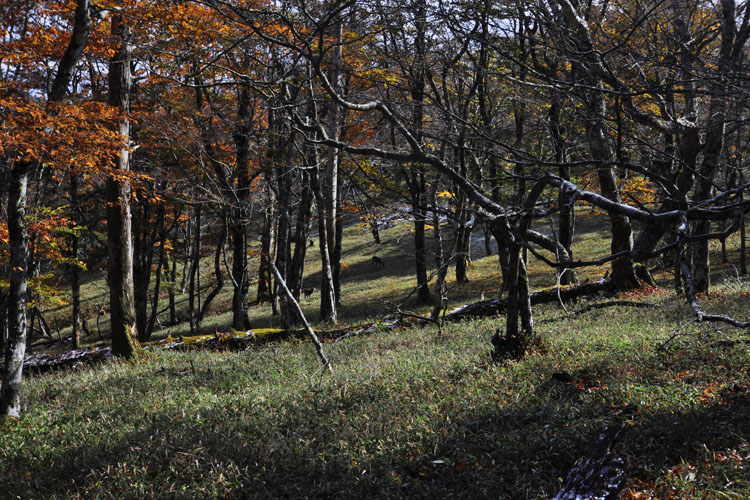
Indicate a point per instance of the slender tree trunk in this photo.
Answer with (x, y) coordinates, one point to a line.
(172, 282)
(265, 282)
(332, 185)
(194, 284)
(74, 268)
(327, 294)
(288, 317)
(143, 255)
(173, 273)
(162, 227)
(218, 252)
(416, 177)
(566, 217)
(440, 302)
(301, 234)
(420, 247)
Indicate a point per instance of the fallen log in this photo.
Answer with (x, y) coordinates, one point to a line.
(493, 307)
(43, 362)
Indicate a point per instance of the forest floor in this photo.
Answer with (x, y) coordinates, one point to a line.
(408, 413)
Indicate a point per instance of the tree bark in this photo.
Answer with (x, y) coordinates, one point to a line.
(74, 268)
(240, 215)
(15, 349)
(119, 232)
(301, 234)
(194, 280)
(265, 282)
(332, 191)
(327, 296)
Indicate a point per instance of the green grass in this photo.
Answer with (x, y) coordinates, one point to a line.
(409, 413)
(406, 414)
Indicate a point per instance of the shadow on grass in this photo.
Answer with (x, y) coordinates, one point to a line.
(327, 446)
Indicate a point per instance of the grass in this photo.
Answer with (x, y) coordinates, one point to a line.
(406, 414)
(409, 413)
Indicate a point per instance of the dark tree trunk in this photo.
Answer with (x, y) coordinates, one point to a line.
(194, 280)
(566, 217)
(420, 250)
(240, 215)
(74, 268)
(218, 252)
(743, 243)
(173, 274)
(301, 234)
(416, 175)
(517, 336)
(162, 226)
(729, 55)
(143, 256)
(283, 189)
(623, 268)
(265, 283)
(172, 282)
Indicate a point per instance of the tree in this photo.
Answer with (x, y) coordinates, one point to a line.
(119, 230)
(10, 393)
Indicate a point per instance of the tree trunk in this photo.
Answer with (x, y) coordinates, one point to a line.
(301, 234)
(173, 274)
(440, 302)
(240, 215)
(265, 282)
(74, 267)
(420, 250)
(119, 242)
(194, 280)
(143, 255)
(743, 243)
(416, 176)
(218, 252)
(327, 294)
(15, 348)
(714, 142)
(161, 216)
(566, 217)
(288, 316)
(332, 191)
(623, 268)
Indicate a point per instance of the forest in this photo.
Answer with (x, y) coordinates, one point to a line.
(380, 248)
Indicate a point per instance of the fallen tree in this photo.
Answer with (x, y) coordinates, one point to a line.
(494, 307)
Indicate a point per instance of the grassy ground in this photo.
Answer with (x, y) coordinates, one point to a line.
(406, 414)
(371, 292)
